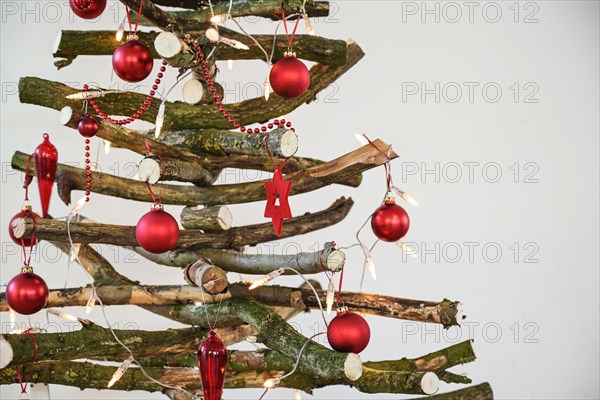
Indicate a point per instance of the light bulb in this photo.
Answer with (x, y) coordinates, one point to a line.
(77, 207)
(120, 32)
(106, 147)
(160, 118)
(63, 314)
(297, 395)
(236, 44)
(230, 64)
(405, 196)
(271, 382)
(268, 277)
(361, 139)
(215, 19)
(74, 252)
(89, 307)
(267, 85)
(371, 266)
(212, 34)
(330, 296)
(407, 249)
(120, 371)
(309, 28)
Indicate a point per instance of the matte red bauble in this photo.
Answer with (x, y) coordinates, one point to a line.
(348, 332)
(390, 222)
(212, 361)
(289, 77)
(157, 231)
(87, 9)
(132, 61)
(24, 213)
(87, 126)
(46, 160)
(27, 293)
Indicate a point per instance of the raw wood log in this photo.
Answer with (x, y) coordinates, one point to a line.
(281, 142)
(328, 258)
(208, 277)
(207, 219)
(179, 116)
(70, 178)
(250, 235)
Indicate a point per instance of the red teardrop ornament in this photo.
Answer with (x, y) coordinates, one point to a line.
(390, 222)
(289, 77)
(27, 293)
(24, 213)
(212, 361)
(132, 61)
(46, 160)
(87, 9)
(348, 332)
(157, 231)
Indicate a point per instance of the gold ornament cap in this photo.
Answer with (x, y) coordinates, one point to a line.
(26, 207)
(26, 269)
(342, 309)
(157, 206)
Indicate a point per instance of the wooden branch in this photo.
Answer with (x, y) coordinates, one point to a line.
(209, 277)
(270, 9)
(483, 391)
(275, 296)
(437, 361)
(207, 219)
(180, 116)
(257, 264)
(75, 43)
(362, 159)
(94, 341)
(447, 312)
(250, 235)
(200, 168)
(282, 143)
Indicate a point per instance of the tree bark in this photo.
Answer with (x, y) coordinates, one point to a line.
(281, 142)
(207, 219)
(181, 116)
(483, 391)
(102, 43)
(235, 238)
(256, 264)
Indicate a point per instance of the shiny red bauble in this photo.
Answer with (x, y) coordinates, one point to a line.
(46, 162)
(24, 213)
(27, 293)
(289, 77)
(132, 61)
(212, 361)
(348, 332)
(87, 9)
(87, 126)
(157, 231)
(390, 222)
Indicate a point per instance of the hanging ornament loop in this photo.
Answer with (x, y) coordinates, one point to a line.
(35, 353)
(133, 32)
(290, 38)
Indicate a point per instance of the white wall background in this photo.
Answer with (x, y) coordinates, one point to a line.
(533, 313)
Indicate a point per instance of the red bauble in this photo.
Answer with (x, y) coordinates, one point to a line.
(27, 293)
(132, 61)
(24, 213)
(46, 160)
(87, 9)
(390, 222)
(212, 361)
(289, 77)
(348, 332)
(87, 126)
(157, 231)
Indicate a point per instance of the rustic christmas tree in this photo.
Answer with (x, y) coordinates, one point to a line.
(193, 141)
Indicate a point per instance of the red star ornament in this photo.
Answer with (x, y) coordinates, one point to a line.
(278, 207)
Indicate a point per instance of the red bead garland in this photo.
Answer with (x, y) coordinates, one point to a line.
(279, 123)
(140, 111)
